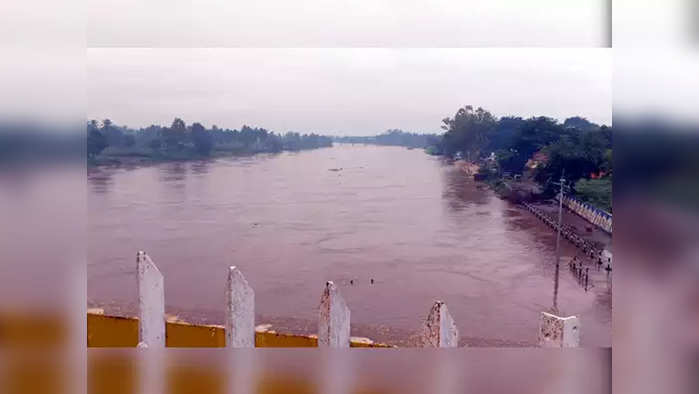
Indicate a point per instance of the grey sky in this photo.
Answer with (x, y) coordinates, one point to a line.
(348, 23)
(342, 91)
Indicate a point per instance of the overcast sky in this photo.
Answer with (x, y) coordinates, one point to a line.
(348, 23)
(341, 91)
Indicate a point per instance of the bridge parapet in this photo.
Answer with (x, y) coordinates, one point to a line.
(152, 328)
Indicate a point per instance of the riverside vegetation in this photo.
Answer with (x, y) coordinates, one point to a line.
(108, 143)
(535, 151)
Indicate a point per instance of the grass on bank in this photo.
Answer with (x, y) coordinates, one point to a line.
(597, 192)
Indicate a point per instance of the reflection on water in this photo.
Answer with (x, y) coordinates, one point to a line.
(99, 181)
(414, 225)
(460, 191)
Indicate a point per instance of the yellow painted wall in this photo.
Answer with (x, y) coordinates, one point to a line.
(115, 331)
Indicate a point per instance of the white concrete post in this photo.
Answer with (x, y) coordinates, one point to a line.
(439, 329)
(240, 311)
(334, 321)
(151, 303)
(555, 331)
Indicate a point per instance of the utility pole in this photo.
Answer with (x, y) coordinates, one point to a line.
(560, 216)
(558, 239)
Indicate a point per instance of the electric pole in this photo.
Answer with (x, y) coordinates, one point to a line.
(563, 186)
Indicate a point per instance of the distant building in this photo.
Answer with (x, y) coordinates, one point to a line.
(537, 159)
(601, 174)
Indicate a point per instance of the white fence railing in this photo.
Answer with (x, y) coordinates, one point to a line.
(568, 232)
(594, 215)
(439, 329)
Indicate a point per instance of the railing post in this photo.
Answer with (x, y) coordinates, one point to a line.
(439, 329)
(151, 303)
(240, 311)
(334, 320)
(555, 331)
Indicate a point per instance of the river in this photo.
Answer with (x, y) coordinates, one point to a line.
(351, 213)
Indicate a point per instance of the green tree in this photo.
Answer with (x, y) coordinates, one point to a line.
(96, 142)
(503, 135)
(155, 144)
(580, 153)
(175, 135)
(129, 140)
(580, 123)
(202, 139)
(113, 134)
(468, 131)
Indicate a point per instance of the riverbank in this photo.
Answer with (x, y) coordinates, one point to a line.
(529, 194)
(516, 191)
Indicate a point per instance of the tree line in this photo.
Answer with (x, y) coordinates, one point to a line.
(180, 140)
(394, 137)
(542, 147)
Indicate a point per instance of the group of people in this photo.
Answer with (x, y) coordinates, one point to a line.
(582, 270)
(590, 251)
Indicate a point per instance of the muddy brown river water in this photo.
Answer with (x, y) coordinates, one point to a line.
(351, 213)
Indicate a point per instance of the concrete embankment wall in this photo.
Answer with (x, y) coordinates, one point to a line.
(596, 216)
